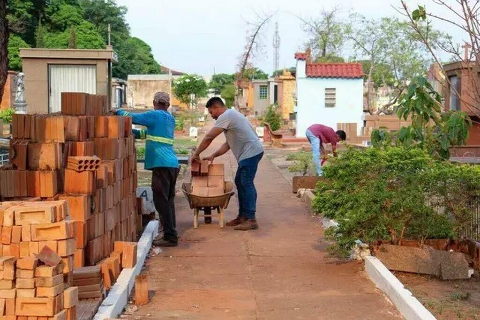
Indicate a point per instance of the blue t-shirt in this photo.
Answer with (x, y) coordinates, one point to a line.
(160, 125)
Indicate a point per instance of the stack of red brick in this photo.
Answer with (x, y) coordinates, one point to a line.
(208, 180)
(35, 288)
(47, 155)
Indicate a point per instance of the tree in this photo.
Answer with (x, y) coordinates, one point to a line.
(72, 42)
(189, 88)
(431, 130)
(87, 37)
(327, 35)
(40, 36)
(64, 16)
(273, 118)
(228, 94)
(4, 35)
(254, 74)
(382, 74)
(277, 73)
(461, 16)
(14, 45)
(136, 58)
(219, 81)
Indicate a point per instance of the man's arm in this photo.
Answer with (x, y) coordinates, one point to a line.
(207, 140)
(221, 151)
(145, 118)
(139, 133)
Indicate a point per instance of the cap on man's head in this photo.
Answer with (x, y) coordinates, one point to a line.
(162, 98)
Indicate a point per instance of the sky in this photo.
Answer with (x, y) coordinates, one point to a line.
(208, 36)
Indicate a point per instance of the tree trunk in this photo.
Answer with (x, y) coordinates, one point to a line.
(369, 79)
(3, 46)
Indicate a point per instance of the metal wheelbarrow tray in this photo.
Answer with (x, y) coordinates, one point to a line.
(207, 204)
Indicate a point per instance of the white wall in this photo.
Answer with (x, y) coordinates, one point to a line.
(311, 103)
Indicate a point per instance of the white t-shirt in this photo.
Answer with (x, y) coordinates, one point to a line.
(241, 137)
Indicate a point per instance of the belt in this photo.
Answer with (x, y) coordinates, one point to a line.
(160, 139)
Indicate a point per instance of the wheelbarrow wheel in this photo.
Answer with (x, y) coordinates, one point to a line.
(208, 211)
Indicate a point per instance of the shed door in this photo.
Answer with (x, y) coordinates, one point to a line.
(70, 78)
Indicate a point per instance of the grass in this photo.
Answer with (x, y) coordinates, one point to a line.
(181, 146)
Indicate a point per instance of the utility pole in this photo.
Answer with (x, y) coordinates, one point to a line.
(276, 48)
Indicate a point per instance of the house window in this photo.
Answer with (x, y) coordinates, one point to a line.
(454, 89)
(263, 92)
(330, 97)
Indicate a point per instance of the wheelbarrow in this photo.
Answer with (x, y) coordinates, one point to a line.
(208, 204)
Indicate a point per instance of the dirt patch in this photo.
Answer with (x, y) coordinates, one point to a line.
(455, 299)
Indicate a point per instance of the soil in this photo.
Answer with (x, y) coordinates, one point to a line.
(455, 299)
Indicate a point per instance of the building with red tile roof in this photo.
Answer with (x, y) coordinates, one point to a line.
(327, 93)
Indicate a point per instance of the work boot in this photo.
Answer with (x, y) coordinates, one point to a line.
(248, 224)
(235, 222)
(162, 242)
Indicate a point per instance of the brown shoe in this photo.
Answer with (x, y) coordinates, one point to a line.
(235, 222)
(249, 224)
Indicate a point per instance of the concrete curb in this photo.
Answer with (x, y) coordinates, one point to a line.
(403, 299)
(117, 298)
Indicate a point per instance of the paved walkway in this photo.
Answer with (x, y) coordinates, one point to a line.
(280, 271)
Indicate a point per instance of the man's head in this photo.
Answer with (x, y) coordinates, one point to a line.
(161, 101)
(216, 107)
(342, 135)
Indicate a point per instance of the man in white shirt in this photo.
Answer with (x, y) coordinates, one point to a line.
(247, 149)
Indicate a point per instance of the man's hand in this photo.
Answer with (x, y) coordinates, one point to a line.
(210, 158)
(195, 156)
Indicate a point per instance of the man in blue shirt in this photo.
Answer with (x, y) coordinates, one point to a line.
(160, 157)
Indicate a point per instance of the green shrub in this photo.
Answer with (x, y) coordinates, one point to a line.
(395, 194)
(303, 163)
(179, 123)
(273, 118)
(141, 152)
(6, 115)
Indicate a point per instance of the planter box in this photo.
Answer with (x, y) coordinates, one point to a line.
(304, 182)
(443, 264)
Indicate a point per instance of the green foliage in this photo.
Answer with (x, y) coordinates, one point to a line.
(431, 130)
(394, 194)
(14, 45)
(303, 163)
(273, 118)
(382, 74)
(228, 94)
(329, 58)
(279, 72)
(141, 152)
(72, 42)
(254, 74)
(6, 115)
(90, 19)
(219, 81)
(189, 88)
(179, 123)
(40, 36)
(87, 37)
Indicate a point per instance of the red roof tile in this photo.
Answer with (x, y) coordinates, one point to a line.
(301, 56)
(334, 70)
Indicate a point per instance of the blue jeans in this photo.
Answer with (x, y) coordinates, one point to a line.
(247, 194)
(315, 142)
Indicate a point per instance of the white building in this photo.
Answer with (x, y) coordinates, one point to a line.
(327, 93)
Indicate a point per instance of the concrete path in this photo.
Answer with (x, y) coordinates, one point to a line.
(280, 271)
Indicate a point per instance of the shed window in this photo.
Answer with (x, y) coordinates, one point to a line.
(263, 92)
(330, 97)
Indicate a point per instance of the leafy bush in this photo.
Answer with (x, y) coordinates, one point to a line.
(189, 88)
(394, 194)
(6, 115)
(431, 129)
(273, 118)
(179, 123)
(141, 152)
(303, 163)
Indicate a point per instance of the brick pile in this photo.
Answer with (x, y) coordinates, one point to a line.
(208, 180)
(83, 157)
(34, 288)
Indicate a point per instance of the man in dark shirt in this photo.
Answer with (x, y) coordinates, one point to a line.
(319, 134)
